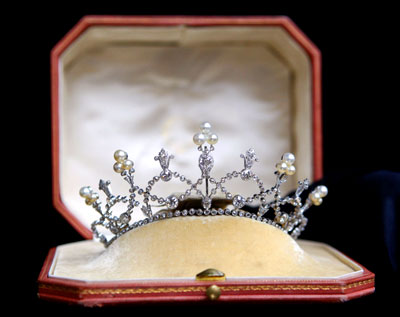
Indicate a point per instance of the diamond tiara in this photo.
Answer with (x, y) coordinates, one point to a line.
(291, 222)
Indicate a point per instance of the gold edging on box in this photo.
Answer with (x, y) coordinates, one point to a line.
(202, 289)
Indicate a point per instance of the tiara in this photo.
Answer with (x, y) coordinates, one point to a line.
(203, 191)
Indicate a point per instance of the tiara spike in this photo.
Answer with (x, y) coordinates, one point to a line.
(292, 222)
(105, 187)
(164, 158)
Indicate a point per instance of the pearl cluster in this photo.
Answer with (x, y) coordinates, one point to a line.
(317, 195)
(285, 166)
(204, 189)
(206, 135)
(89, 195)
(122, 163)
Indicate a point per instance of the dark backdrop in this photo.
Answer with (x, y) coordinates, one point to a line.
(360, 77)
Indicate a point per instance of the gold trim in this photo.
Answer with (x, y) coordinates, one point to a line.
(202, 289)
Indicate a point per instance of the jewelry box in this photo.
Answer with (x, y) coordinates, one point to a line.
(144, 83)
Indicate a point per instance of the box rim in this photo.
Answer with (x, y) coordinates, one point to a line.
(118, 292)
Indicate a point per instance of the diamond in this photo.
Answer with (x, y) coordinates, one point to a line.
(239, 201)
(246, 174)
(262, 210)
(125, 218)
(206, 202)
(282, 219)
(172, 202)
(295, 233)
(114, 229)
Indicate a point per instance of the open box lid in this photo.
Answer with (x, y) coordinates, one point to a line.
(143, 83)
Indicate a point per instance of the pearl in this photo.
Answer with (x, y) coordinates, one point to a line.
(316, 198)
(127, 165)
(288, 158)
(282, 167)
(118, 167)
(212, 139)
(322, 190)
(92, 198)
(199, 138)
(205, 127)
(291, 170)
(317, 202)
(120, 156)
(85, 191)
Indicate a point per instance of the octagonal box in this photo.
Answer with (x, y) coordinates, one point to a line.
(142, 83)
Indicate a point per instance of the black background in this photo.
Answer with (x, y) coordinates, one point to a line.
(360, 95)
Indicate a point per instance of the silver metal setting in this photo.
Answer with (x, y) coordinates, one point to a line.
(292, 222)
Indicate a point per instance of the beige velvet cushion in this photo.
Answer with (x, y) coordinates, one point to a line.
(182, 247)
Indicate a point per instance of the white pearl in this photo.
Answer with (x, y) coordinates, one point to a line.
(317, 202)
(291, 170)
(92, 198)
(316, 198)
(85, 191)
(288, 158)
(282, 167)
(205, 127)
(315, 195)
(120, 156)
(118, 167)
(322, 190)
(199, 138)
(127, 165)
(212, 139)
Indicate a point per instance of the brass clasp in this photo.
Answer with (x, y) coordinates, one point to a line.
(210, 275)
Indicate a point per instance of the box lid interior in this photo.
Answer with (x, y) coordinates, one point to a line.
(142, 88)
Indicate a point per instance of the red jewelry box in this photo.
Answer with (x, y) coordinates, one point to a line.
(95, 65)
